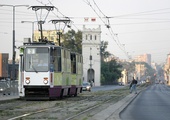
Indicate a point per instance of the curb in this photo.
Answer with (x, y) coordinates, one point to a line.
(8, 98)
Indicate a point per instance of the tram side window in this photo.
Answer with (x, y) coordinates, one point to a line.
(73, 63)
(57, 59)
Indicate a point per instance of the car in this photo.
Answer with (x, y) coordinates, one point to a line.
(121, 83)
(4, 88)
(86, 86)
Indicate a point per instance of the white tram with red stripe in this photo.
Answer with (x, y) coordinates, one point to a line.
(49, 71)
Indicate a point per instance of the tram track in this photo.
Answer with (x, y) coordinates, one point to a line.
(40, 111)
(91, 111)
(65, 109)
(90, 103)
(88, 110)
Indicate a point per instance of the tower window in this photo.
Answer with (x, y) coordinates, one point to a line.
(90, 37)
(95, 37)
(86, 37)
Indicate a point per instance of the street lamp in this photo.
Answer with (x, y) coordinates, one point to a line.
(13, 56)
(32, 27)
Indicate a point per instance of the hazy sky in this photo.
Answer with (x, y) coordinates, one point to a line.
(136, 26)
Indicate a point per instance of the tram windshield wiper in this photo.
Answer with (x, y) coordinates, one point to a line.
(33, 67)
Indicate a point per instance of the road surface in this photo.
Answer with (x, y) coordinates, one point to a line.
(151, 104)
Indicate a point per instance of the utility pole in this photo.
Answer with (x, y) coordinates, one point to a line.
(13, 32)
(90, 67)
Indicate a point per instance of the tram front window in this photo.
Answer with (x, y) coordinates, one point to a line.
(36, 59)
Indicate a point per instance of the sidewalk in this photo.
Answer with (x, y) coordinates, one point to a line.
(8, 97)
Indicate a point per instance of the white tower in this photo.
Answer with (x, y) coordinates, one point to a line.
(91, 41)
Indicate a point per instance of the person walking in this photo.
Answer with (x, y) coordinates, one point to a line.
(133, 86)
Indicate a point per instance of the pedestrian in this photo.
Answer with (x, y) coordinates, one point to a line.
(133, 86)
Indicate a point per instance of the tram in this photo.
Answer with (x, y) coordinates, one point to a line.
(49, 71)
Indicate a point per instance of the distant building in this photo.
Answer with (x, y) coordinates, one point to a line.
(50, 35)
(140, 71)
(4, 65)
(124, 78)
(154, 66)
(10, 71)
(91, 42)
(144, 58)
(167, 70)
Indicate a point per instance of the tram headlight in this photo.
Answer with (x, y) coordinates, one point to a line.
(45, 81)
(27, 81)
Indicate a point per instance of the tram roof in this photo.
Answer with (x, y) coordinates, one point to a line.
(42, 44)
(39, 43)
(49, 44)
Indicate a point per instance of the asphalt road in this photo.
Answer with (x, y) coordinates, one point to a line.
(151, 104)
(106, 87)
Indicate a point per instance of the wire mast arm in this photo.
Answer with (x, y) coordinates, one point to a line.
(40, 19)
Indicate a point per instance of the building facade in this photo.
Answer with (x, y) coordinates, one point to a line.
(144, 58)
(167, 70)
(91, 42)
(50, 35)
(140, 71)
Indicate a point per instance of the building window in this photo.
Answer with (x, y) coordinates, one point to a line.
(86, 37)
(95, 37)
(90, 37)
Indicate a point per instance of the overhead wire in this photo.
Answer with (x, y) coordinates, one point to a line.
(71, 21)
(30, 14)
(129, 15)
(111, 31)
(140, 13)
(50, 3)
(71, 28)
(107, 24)
(95, 12)
(123, 17)
(63, 16)
(118, 42)
(99, 8)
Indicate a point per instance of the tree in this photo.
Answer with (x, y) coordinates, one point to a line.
(110, 72)
(103, 50)
(73, 40)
